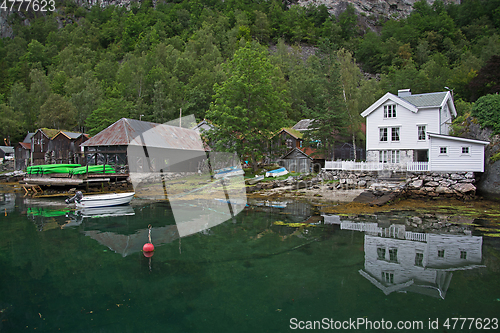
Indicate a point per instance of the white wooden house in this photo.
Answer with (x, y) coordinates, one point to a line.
(412, 131)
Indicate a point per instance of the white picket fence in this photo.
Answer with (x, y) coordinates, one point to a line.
(355, 166)
(417, 166)
(375, 166)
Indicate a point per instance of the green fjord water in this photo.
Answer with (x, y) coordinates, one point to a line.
(70, 272)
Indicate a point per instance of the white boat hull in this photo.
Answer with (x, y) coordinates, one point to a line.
(105, 200)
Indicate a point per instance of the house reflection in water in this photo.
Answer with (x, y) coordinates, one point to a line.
(405, 261)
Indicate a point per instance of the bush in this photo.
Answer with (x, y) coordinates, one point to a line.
(487, 111)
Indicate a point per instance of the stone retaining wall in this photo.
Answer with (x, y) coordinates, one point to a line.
(456, 184)
(413, 184)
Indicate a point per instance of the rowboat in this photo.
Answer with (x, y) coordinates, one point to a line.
(228, 172)
(101, 200)
(255, 180)
(277, 172)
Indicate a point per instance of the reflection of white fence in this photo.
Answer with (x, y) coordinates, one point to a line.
(417, 166)
(416, 236)
(361, 226)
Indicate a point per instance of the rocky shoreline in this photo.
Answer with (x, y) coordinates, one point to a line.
(371, 187)
(375, 188)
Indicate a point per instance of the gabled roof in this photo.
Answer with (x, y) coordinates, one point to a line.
(27, 139)
(69, 135)
(25, 145)
(415, 102)
(296, 134)
(7, 149)
(303, 125)
(388, 96)
(203, 125)
(48, 132)
(142, 133)
(455, 138)
(298, 151)
(426, 100)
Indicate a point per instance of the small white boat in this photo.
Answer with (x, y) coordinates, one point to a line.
(101, 200)
(277, 172)
(255, 180)
(228, 172)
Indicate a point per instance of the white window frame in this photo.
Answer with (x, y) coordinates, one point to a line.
(381, 253)
(389, 156)
(388, 277)
(395, 130)
(445, 150)
(463, 254)
(393, 254)
(468, 150)
(419, 259)
(383, 133)
(389, 111)
(424, 132)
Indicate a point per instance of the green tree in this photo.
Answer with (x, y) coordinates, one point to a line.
(250, 105)
(330, 122)
(20, 103)
(107, 113)
(350, 79)
(11, 128)
(85, 94)
(57, 113)
(38, 94)
(487, 110)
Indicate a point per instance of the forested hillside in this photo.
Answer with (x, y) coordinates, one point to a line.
(82, 69)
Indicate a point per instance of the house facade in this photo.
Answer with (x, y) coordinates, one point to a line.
(410, 128)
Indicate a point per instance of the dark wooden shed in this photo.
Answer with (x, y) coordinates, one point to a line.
(40, 145)
(296, 160)
(66, 147)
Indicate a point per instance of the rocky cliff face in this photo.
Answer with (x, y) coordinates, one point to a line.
(378, 8)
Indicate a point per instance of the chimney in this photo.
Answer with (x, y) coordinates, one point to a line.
(404, 92)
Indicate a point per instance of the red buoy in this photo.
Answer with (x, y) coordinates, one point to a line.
(148, 247)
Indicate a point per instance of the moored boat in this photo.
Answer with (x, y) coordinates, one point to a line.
(255, 180)
(101, 200)
(228, 172)
(277, 172)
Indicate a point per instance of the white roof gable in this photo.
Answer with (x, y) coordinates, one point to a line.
(416, 102)
(385, 98)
